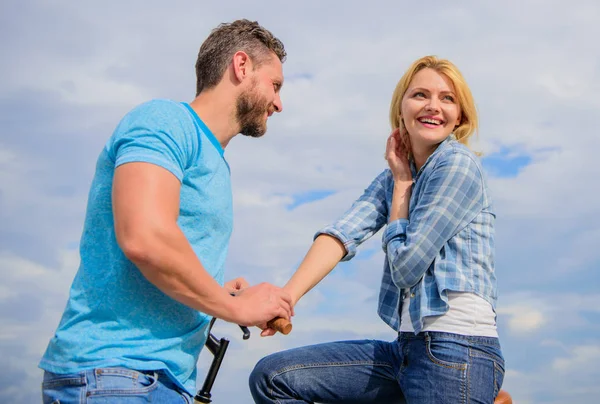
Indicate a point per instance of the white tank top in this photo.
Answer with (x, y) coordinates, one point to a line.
(469, 314)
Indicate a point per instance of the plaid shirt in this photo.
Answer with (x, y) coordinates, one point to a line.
(447, 244)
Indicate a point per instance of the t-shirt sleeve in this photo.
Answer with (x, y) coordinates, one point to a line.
(156, 132)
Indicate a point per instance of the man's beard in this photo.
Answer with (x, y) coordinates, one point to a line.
(250, 113)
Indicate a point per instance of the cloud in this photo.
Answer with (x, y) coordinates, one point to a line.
(558, 380)
(581, 357)
(524, 319)
(32, 298)
(529, 313)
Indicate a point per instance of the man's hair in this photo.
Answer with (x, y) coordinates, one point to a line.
(224, 41)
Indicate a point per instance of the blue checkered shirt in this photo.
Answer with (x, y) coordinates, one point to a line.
(447, 244)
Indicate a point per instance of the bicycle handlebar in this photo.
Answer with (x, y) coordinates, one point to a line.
(280, 324)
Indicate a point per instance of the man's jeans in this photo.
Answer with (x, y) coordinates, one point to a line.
(428, 368)
(111, 385)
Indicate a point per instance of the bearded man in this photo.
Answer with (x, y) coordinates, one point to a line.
(156, 233)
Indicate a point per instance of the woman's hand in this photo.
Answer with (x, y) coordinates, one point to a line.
(396, 153)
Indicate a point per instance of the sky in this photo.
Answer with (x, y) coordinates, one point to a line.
(71, 70)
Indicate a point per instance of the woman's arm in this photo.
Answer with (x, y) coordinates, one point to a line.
(339, 241)
(324, 254)
(452, 195)
(396, 154)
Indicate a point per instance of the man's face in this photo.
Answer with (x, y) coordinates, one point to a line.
(261, 99)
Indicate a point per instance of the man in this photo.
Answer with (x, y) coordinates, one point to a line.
(156, 233)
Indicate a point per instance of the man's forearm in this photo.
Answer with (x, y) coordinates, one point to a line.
(324, 254)
(166, 259)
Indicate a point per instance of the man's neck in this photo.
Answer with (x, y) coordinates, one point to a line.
(218, 113)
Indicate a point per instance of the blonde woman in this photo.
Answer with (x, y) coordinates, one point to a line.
(438, 289)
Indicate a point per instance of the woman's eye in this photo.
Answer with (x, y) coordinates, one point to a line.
(419, 94)
(449, 98)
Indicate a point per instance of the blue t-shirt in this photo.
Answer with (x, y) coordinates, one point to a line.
(114, 316)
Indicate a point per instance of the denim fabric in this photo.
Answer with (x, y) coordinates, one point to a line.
(111, 385)
(447, 244)
(427, 368)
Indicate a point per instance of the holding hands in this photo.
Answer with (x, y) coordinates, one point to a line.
(255, 305)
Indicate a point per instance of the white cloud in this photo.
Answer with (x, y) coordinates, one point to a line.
(560, 380)
(530, 313)
(581, 357)
(524, 319)
(31, 301)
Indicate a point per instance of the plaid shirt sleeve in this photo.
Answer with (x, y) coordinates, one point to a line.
(365, 217)
(450, 197)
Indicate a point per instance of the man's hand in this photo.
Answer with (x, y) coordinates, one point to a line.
(260, 303)
(236, 285)
(267, 331)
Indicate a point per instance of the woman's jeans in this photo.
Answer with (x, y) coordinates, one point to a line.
(428, 368)
(111, 385)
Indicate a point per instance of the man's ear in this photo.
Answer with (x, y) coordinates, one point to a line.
(242, 65)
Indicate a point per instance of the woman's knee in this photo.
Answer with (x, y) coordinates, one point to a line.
(260, 375)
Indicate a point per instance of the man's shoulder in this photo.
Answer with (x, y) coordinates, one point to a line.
(158, 110)
(157, 116)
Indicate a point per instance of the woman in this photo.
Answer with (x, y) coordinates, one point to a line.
(438, 288)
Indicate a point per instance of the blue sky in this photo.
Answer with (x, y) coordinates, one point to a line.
(70, 71)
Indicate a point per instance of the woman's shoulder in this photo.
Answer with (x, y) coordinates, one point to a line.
(457, 153)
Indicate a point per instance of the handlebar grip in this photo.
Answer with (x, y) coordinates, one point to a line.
(280, 324)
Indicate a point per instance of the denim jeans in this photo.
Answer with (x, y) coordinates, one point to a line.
(111, 385)
(428, 368)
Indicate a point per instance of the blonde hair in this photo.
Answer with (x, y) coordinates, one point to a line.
(468, 121)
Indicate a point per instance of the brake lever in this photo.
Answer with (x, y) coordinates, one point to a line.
(246, 331)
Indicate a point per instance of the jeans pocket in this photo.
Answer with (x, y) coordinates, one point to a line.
(122, 381)
(446, 353)
(57, 387)
(491, 353)
(498, 377)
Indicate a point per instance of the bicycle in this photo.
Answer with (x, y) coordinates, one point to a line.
(219, 347)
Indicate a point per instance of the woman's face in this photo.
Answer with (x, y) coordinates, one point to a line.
(430, 109)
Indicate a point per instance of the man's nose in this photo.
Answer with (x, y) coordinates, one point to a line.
(277, 103)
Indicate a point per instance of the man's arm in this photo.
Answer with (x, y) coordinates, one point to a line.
(146, 207)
